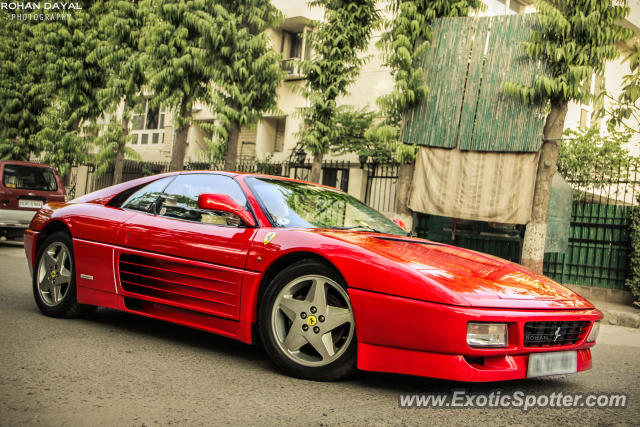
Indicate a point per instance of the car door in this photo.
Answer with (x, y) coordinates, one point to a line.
(180, 255)
(98, 234)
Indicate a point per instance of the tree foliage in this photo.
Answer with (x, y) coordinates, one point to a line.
(247, 82)
(182, 43)
(71, 80)
(22, 101)
(633, 277)
(574, 39)
(110, 143)
(592, 160)
(356, 132)
(624, 110)
(337, 43)
(407, 37)
(213, 53)
(118, 53)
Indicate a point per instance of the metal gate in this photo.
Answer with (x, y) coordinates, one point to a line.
(382, 181)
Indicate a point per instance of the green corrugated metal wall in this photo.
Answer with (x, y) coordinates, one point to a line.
(465, 107)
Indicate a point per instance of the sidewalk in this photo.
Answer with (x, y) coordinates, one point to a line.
(618, 314)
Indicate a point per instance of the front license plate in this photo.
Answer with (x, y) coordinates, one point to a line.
(37, 204)
(555, 363)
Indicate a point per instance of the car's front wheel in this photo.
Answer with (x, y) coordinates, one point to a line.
(306, 322)
(54, 283)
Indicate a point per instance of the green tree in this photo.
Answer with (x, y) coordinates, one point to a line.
(337, 43)
(183, 43)
(593, 160)
(408, 35)
(624, 110)
(215, 53)
(356, 132)
(118, 53)
(71, 79)
(246, 86)
(633, 278)
(112, 143)
(22, 102)
(574, 39)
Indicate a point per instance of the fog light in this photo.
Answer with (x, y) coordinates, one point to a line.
(487, 334)
(594, 331)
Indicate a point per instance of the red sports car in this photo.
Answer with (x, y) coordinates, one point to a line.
(326, 283)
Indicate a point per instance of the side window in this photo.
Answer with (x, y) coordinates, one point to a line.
(180, 199)
(142, 200)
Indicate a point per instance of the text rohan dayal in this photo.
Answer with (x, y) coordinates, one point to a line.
(40, 6)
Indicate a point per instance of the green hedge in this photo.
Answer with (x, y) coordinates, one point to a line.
(633, 279)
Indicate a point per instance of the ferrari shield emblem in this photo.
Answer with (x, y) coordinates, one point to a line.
(269, 237)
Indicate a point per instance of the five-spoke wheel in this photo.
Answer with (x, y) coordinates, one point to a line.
(54, 283)
(54, 273)
(306, 322)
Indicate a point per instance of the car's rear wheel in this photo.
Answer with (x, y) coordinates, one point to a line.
(54, 282)
(306, 322)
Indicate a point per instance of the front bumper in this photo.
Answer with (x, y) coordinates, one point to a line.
(405, 336)
(30, 238)
(15, 218)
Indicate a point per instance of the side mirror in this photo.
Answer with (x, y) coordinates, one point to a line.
(224, 203)
(400, 223)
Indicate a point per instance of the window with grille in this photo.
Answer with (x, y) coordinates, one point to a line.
(148, 125)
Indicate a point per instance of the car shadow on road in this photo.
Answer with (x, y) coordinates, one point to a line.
(254, 355)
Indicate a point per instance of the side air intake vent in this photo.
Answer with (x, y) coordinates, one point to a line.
(180, 285)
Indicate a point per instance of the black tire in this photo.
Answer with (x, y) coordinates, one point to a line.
(67, 305)
(337, 369)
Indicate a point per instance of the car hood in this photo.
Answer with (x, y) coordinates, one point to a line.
(481, 280)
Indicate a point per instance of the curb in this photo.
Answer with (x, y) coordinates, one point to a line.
(621, 318)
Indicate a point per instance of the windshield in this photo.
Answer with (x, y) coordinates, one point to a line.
(29, 178)
(295, 204)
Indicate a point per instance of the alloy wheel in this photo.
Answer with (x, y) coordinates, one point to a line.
(54, 274)
(312, 320)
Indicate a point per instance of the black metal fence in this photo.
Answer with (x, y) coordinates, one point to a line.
(599, 236)
(335, 173)
(382, 181)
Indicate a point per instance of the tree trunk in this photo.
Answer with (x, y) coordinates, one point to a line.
(180, 143)
(119, 161)
(405, 176)
(536, 231)
(231, 158)
(316, 168)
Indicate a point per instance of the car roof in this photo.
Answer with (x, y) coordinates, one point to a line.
(254, 175)
(18, 162)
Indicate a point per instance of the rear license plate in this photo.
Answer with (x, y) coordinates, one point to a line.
(35, 204)
(555, 363)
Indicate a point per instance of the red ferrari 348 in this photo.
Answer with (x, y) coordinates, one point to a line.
(324, 282)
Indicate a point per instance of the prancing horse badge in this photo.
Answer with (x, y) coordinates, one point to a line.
(269, 237)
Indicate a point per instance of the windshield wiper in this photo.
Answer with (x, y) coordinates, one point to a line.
(361, 228)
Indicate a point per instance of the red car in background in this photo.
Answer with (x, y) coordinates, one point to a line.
(25, 188)
(324, 282)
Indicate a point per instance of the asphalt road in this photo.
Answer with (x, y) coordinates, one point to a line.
(118, 369)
